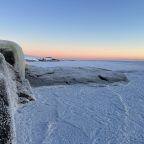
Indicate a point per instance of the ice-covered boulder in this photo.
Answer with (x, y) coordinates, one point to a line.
(14, 88)
(13, 55)
(8, 98)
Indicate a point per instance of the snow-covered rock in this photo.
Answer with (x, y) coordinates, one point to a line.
(8, 98)
(39, 76)
(13, 88)
(13, 55)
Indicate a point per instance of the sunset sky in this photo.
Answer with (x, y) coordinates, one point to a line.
(80, 29)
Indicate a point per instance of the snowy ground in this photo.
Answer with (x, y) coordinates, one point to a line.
(86, 114)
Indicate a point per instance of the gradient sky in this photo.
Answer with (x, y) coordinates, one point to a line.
(82, 29)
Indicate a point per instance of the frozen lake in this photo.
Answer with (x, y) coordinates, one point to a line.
(86, 113)
(112, 65)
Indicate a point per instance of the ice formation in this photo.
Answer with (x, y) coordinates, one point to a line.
(14, 88)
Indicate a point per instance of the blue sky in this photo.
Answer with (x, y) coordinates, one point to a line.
(49, 23)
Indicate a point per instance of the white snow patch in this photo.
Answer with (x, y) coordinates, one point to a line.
(86, 114)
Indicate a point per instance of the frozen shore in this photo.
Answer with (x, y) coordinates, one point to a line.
(85, 113)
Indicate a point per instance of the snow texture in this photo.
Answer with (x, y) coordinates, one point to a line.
(86, 113)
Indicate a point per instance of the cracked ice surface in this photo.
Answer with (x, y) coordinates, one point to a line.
(86, 114)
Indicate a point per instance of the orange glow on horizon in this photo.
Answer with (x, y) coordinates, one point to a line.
(86, 52)
(89, 55)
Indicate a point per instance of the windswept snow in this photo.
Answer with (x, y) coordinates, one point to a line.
(86, 113)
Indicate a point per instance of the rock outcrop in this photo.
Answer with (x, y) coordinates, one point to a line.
(14, 88)
(39, 76)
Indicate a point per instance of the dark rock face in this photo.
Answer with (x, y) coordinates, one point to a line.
(5, 119)
(14, 88)
(7, 89)
(9, 57)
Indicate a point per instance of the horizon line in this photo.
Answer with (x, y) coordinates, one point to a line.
(89, 59)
